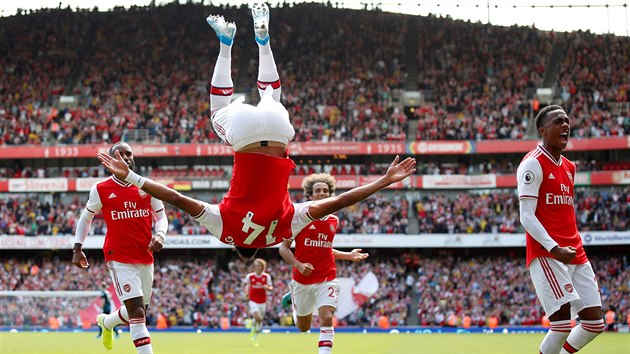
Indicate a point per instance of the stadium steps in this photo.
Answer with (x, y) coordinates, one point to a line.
(411, 54)
(555, 60)
(413, 228)
(83, 51)
(412, 318)
(246, 80)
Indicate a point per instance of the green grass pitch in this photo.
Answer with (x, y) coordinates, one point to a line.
(295, 343)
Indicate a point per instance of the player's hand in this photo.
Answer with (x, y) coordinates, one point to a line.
(564, 254)
(80, 260)
(305, 269)
(117, 166)
(157, 243)
(399, 171)
(356, 255)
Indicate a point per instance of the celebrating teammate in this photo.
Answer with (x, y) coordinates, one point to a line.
(315, 284)
(257, 210)
(561, 273)
(258, 283)
(129, 246)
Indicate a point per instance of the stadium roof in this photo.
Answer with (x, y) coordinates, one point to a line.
(598, 16)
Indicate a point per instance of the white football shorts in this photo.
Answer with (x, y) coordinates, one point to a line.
(256, 307)
(132, 280)
(308, 298)
(240, 124)
(557, 283)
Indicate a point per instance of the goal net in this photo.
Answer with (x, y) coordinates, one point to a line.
(52, 310)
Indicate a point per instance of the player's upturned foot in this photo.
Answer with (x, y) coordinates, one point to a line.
(260, 14)
(224, 30)
(286, 300)
(107, 333)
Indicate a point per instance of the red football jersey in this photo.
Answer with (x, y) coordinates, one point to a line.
(256, 284)
(314, 245)
(551, 183)
(129, 216)
(257, 211)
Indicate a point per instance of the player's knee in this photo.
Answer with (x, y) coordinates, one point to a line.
(138, 313)
(326, 318)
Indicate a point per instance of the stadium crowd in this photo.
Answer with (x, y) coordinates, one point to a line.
(384, 213)
(480, 76)
(594, 85)
(194, 291)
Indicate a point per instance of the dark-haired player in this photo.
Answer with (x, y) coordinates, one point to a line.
(562, 275)
(129, 213)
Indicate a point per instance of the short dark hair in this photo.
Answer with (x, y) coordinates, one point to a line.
(113, 148)
(542, 114)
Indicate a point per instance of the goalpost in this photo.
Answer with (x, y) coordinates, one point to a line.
(52, 310)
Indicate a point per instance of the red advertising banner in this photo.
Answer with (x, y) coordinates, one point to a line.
(454, 147)
(513, 146)
(457, 147)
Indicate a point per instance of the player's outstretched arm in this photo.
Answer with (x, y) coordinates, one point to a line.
(395, 173)
(355, 255)
(119, 168)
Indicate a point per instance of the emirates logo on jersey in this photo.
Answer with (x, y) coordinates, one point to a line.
(127, 288)
(142, 193)
(568, 287)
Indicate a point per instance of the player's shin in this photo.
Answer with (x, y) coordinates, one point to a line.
(268, 74)
(581, 335)
(140, 335)
(555, 338)
(326, 337)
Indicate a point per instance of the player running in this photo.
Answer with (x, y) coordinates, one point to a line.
(257, 210)
(315, 285)
(257, 284)
(562, 275)
(129, 245)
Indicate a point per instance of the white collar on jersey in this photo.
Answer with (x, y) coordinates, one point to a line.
(120, 182)
(549, 156)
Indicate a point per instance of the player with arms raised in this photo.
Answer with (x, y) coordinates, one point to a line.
(315, 285)
(562, 275)
(129, 245)
(257, 284)
(257, 210)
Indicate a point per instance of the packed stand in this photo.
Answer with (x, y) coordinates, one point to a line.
(594, 84)
(335, 89)
(186, 292)
(497, 212)
(384, 213)
(485, 98)
(163, 87)
(38, 54)
(195, 292)
(449, 288)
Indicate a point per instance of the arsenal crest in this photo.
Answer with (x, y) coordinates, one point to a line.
(142, 193)
(568, 287)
